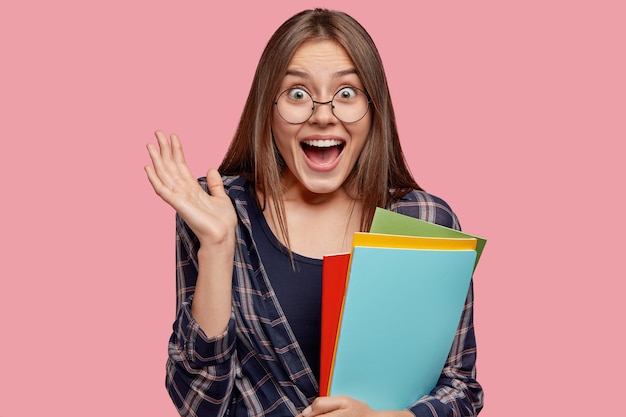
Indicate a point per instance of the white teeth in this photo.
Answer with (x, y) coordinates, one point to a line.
(323, 143)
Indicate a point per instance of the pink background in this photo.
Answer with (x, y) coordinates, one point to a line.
(514, 113)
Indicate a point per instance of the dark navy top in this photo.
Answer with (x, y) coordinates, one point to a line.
(299, 290)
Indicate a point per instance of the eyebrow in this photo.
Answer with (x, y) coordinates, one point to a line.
(306, 75)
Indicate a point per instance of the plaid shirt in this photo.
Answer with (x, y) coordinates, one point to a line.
(256, 368)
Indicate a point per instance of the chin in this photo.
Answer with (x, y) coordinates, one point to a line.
(328, 186)
(312, 181)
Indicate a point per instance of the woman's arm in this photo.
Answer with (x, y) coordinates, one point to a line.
(200, 371)
(211, 216)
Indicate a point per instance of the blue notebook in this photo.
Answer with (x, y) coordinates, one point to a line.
(399, 319)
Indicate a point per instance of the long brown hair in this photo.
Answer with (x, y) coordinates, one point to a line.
(380, 175)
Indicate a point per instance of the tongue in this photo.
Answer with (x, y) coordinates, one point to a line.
(322, 156)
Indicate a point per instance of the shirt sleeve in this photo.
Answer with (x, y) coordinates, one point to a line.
(457, 392)
(200, 369)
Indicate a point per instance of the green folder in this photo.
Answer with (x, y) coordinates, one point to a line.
(392, 223)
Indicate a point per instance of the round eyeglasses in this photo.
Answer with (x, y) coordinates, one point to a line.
(295, 105)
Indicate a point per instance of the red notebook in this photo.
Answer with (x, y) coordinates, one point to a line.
(334, 274)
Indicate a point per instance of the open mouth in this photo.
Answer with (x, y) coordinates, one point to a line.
(322, 151)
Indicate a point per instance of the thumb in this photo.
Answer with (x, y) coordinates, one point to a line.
(215, 183)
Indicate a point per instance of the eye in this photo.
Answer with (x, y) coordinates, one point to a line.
(297, 94)
(346, 93)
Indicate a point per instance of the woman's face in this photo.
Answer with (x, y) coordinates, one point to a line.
(321, 152)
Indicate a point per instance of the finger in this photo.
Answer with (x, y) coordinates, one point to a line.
(215, 183)
(177, 148)
(169, 162)
(154, 153)
(155, 181)
(164, 145)
(160, 166)
(179, 155)
(323, 405)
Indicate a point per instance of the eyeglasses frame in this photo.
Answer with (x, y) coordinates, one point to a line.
(332, 107)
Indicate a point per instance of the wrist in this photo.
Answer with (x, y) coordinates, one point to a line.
(216, 248)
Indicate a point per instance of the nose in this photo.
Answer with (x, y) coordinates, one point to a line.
(323, 113)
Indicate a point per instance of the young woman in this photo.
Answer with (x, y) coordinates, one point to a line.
(316, 151)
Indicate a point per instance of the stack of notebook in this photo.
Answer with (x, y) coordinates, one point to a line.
(391, 308)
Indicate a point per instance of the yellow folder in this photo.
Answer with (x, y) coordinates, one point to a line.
(377, 240)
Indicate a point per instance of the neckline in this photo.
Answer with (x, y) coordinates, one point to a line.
(276, 243)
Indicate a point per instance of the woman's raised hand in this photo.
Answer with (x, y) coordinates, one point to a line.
(211, 217)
